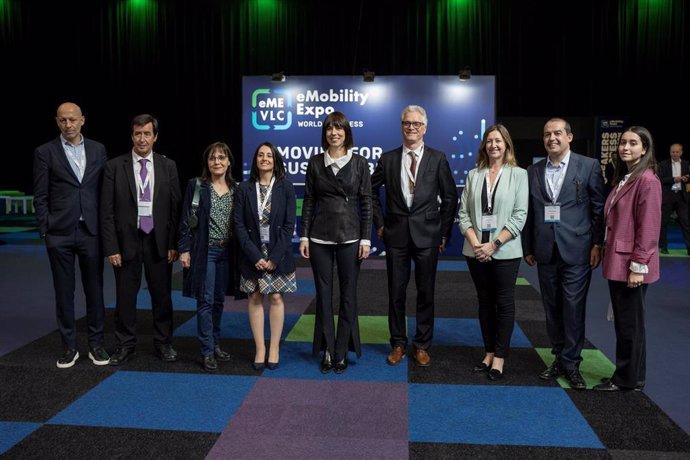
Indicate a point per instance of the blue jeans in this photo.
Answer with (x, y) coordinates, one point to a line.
(210, 308)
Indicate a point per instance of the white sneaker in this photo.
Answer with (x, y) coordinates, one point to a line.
(68, 359)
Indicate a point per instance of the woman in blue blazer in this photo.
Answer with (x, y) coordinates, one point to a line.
(492, 213)
(264, 224)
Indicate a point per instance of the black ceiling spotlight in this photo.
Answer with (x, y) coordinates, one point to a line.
(465, 74)
(369, 75)
(278, 76)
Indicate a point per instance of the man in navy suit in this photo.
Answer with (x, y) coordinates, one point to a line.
(421, 199)
(67, 182)
(140, 205)
(563, 236)
(674, 174)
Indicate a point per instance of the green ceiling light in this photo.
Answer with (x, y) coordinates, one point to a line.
(267, 6)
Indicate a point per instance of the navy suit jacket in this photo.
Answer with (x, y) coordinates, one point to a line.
(582, 205)
(282, 226)
(427, 221)
(666, 178)
(59, 198)
(119, 210)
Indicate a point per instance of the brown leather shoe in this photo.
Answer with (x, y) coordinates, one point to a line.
(422, 358)
(396, 355)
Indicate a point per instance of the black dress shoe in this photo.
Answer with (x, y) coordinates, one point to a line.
(166, 353)
(326, 363)
(607, 386)
(575, 379)
(221, 355)
(258, 366)
(495, 374)
(481, 367)
(210, 364)
(552, 372)
(340, 366)
(272, 366)
(121, 355)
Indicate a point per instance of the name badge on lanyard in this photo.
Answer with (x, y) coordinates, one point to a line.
(264, 230)
(552, 212)
(489, 222)
(144, 206)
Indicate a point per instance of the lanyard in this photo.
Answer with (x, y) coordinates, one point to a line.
(261, 205)
(555, 188)
(142, 185)
(490, 190)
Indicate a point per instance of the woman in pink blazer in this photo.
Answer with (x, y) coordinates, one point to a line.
(631, 257)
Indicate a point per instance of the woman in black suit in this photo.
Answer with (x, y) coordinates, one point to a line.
(336, 225)
(264, 223)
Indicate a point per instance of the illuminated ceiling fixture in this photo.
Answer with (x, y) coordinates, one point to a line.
(368, 75)
(465, 74)
(278, 76)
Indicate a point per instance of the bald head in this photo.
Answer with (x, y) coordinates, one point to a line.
(676, 152)
(70, 120)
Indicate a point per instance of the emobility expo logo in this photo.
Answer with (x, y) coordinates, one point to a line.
(271, 109)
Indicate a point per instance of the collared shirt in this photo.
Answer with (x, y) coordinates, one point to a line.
(555, 176)
(76, 155)
(675, 172)
(405, 172)
(338, 163)
(149, 168)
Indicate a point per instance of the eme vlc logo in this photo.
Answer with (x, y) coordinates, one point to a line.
(271, 109)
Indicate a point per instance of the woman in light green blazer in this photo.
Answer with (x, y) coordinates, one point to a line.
(493, 210)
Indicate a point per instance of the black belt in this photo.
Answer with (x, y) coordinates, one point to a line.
(220, 243)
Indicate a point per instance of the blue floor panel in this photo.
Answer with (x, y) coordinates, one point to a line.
(13, 432)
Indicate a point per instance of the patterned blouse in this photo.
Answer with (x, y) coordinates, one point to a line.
(220, 226)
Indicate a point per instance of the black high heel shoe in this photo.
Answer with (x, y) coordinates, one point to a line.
(326, 362)
(340, 366)
(272, 366)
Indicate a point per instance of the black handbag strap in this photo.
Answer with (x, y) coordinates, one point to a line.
(195, 200)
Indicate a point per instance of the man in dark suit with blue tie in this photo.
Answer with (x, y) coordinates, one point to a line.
(563, 236)
(67, 181)
(421, 199)
(140, 206)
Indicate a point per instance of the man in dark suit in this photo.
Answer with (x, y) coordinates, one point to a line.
(67, 180)
(140, 205)
(674, 174)
(563, 236)
(421, 199)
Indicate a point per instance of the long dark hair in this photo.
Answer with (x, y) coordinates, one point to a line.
(647, 161)
(223, 148)
(278, 165)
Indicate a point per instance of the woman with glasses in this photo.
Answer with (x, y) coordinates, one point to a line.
(205, 236)
(336, 227)
(264, 224)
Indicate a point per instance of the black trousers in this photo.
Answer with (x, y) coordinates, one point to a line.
(345, 256)
(63, 250)
(495, 284)
(564, 294)
(398, 265)
(158, 274)
(628, 320)
(677, 202)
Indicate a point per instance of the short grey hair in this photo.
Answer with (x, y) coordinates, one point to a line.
(414, 108)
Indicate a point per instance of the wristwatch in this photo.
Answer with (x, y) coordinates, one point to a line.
(498, 243)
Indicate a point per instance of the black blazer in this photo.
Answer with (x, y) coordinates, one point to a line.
(337, 208)
(666, 178)
(427, 221)
(59, 198)
(282, 226)
(119, 206)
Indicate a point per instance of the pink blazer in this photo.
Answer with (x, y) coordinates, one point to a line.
(632, 221)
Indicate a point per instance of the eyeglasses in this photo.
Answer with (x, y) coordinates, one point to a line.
(413, 124)
(220, 158)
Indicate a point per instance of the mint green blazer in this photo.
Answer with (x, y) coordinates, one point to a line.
(510, 206)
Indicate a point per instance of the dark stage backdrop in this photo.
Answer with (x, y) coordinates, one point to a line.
(183, 61)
